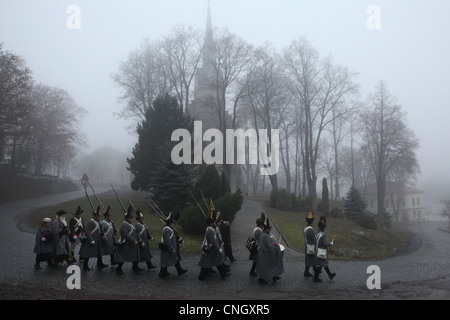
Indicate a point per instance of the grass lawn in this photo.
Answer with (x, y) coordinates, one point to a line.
(378, 243)
(153, 223)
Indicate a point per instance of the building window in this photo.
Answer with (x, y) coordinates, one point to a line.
(418, 201)
(414, 202)
(403, 202)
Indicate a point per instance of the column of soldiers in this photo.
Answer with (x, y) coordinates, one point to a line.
(57, 241)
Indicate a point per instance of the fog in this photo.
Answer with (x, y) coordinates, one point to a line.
(410, 51)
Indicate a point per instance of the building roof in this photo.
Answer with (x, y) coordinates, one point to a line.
(391, 186)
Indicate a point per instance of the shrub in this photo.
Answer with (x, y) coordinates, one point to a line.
(284, 201)
(273, 198)
(366, 221)
(336, 213)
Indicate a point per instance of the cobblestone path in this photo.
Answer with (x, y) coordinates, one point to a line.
(424, 273)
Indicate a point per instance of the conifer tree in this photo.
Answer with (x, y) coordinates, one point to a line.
(354, 205)
(151, 162)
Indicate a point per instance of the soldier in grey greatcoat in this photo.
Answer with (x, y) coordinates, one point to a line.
(169, 249)
(212, 253)
(92, 245)
(321, 249)
(144, 235)
(256, 235)
(270, 260)
(61, 244)
(310, 241)
(109, 233)
(128, 245)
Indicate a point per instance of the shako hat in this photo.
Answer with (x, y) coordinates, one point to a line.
(107, 213)
(96, 213)
(267, 225)
(139, 214)
(169, 219)
(129, 213)
(322, 222)
(79, 211)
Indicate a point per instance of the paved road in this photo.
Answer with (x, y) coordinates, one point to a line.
(422, 274)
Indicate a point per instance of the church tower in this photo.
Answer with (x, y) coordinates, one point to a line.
(202, 108)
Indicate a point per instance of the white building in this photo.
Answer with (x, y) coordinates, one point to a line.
(404, 203)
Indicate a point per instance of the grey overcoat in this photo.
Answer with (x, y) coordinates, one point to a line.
(92, 246)
(310, 239)
(270, 260)
(212, 257)
(322, 242)
(128, 252)
(108, 237)
(169, 256)
(144, 235)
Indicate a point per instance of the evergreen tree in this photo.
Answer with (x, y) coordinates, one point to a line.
(354, 205)
(151, 155)
(324, 205)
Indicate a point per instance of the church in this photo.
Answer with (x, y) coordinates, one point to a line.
(204, 106)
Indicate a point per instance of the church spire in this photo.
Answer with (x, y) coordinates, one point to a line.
(208, 52)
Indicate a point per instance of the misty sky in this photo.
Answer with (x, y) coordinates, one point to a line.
(411, 51)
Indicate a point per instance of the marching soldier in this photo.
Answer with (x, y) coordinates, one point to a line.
(92, 245)
(256, 235)
(212, 253)
(109, 233)
(310, 240)
(60, 231)
(144, 235)
(321, 249)
(76, 228)
(270, 260)
(128, 245)
(169, 249)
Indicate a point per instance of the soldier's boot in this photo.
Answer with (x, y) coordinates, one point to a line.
(316, 274)
(252, 270)
(100, 263)
(307, 274)
(119, 270)
(331, 275)
(163, 273)
(113, 262)
(86, 265)
(136, 268)
(150, 265)
(180, 270)
(223, 271)
(203, 274)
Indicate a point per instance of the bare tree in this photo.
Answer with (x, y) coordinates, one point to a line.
(387, 139)
(320, 87)
(15, 86)
(182, 52)
(52, 128)
(142, 78)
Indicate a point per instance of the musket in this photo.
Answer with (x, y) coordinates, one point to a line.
(204, 200)
(95, 195)
(87, 196)
(156, 206)
(162, 218)
(120, 202)
(198, 204)
(129, 201)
